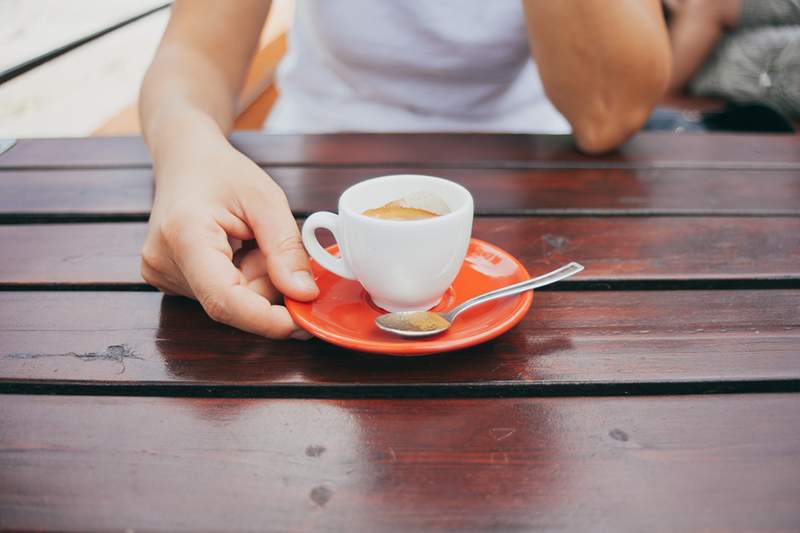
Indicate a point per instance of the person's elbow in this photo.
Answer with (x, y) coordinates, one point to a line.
(612, 118)
(600, 133)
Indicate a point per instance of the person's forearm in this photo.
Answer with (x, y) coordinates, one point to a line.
(176, 110)
(694, 29)
(189, 94)
(692, 40)
(603, 64)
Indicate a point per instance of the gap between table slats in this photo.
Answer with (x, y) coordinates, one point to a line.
(645, 150)
(594, 343)
(614, 249)
(126, 194)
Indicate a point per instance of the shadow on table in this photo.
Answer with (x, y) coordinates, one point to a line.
(196, 349)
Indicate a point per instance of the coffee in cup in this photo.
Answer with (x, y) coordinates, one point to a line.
(414, 206)
(390, 212)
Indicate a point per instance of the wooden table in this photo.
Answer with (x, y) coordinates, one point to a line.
(659, 390)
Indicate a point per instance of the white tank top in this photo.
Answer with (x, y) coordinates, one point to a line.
(410, 65)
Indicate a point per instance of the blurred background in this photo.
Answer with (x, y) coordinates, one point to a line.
(73, 68)
(92, 88)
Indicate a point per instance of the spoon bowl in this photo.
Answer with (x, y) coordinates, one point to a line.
(415, 324)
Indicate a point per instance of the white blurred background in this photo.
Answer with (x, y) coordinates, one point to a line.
(92, 89)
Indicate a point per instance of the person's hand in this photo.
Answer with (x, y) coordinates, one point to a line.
(205, 200)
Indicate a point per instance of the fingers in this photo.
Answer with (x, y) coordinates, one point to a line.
(276, 232)
(266, 289)
(253, 267)
(160, 271)
(219, 288)
(235, 227)
(163, 282)
(253, 264)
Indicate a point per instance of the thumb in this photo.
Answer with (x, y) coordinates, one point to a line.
(278, 237)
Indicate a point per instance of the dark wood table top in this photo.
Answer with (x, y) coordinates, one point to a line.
(659, 389)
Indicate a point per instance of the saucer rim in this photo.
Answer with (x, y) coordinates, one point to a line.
(406, 348)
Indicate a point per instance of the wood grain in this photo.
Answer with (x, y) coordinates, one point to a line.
(611, 248)
(589, 459)
(592, 337)
(574, 191)
(97, 194)
(711, 463)
(47, 194)
(645, 150)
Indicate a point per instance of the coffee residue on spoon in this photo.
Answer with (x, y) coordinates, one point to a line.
(416, 321)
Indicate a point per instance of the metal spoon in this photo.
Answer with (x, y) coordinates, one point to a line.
(426, 323)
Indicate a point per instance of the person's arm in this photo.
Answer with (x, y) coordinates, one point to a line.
(604, 64)
(207, 193)
(694, 28)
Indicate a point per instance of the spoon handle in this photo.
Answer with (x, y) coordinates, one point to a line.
(545, 279)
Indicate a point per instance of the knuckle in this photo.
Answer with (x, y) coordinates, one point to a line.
(150, 256)
(290, 244)
(170, 229)
(148, 275)
(155, 260)
(271, 193)
(175, 224)
(152, 277)
(215, 308)
(268, 186)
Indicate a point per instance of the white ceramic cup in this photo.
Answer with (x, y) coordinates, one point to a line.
(404, 265)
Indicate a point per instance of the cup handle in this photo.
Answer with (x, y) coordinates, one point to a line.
(329, 221)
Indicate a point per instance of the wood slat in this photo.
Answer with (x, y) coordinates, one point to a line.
(607, 191)
(455, 150)
(707, 463)
(47, 194)
(98, 193)
(611, 248)
(592, 338)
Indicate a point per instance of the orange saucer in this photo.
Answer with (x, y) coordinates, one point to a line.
(344, 315)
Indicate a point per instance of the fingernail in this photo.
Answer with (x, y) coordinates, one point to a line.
(301, 335)
(302, 280)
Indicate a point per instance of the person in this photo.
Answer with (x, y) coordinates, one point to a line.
(741, 50)
(369, 65)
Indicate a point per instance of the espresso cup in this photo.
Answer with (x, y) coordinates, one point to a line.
(404, 265)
